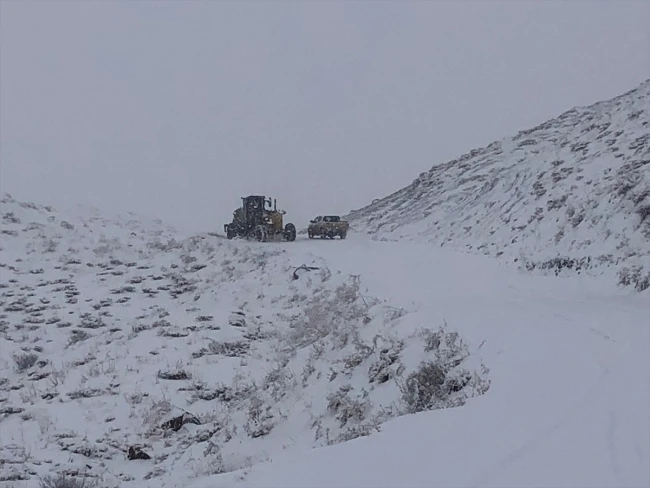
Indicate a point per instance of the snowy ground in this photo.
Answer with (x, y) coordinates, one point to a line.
(558, 371)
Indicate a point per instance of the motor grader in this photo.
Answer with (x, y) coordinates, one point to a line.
(259, 218)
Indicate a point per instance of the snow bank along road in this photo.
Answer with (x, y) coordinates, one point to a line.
(569, 364)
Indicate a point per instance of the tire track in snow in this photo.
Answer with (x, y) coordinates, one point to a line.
(618, 403)
(611, 447)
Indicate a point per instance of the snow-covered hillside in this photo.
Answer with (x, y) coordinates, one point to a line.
(121, 339)
(228, 363)
(572, 194)
(569, 381)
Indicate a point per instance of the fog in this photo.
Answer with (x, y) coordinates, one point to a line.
(177, 109)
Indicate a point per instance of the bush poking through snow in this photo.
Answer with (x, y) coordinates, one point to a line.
(634, 276)
(168, 246)
(231, 349)
(423, 389)
(63, 481)
(388, 365)
(25, 361)
(260, 418)
(155, 414)
(559, 264)
(437, 383)
(78, 335)
(335, 315)
(174, 374)
(348, 408)
(353, 411)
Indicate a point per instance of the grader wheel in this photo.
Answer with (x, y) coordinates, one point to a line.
(260, 233)
(290, 232)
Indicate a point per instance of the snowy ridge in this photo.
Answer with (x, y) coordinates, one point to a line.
(570, 194)
(121, 338)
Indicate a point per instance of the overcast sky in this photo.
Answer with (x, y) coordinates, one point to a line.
(176, 109)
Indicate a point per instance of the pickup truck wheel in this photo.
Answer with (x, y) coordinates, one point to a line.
(343, 235)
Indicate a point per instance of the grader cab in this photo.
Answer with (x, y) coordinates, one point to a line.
(259, 218)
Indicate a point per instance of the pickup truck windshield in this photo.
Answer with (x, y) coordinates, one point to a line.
(331, 218)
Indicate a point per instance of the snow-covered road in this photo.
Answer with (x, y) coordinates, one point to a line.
(569, 363)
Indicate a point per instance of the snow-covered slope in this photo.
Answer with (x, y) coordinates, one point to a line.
(119, 337)
(570, 194)
(570, 382)
(209, 357)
